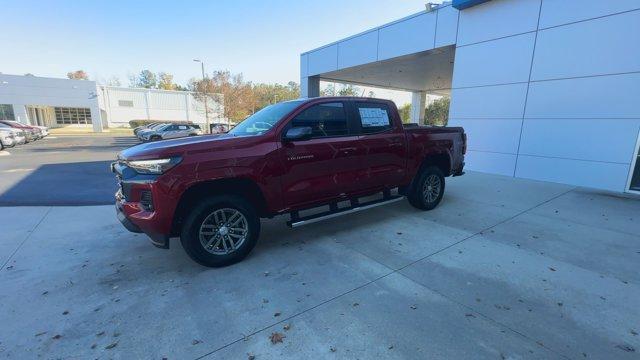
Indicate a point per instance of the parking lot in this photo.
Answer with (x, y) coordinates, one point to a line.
(503, 269)
(64, 170)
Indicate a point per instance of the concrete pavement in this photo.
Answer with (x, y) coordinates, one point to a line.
(504, 268)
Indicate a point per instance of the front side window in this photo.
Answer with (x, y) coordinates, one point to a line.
(6, 112)
(374, 117)
(326, 120)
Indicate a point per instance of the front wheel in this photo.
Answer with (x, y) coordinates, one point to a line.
(220, 231)
(428, 189)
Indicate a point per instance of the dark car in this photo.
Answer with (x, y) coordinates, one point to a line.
(211, 191)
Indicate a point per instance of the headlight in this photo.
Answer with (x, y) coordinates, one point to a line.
(158, 166)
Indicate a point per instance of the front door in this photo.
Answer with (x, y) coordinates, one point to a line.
(320, 168)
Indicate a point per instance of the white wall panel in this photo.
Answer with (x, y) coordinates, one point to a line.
(323, 60)
(608, 140)
(497, 18)
(447, 27)
(500, 101)
(495, 135)
(495, 62)
(358, 50)
(407, 36)
(304, 62)
(599, 175)
(495, 163)
(613, 96)
(607, 45)
(558, 12)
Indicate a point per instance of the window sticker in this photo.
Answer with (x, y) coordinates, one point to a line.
(372, 117)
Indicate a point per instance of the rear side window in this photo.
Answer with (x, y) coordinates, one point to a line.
(374, 117)
(182, 127)
(326, 120)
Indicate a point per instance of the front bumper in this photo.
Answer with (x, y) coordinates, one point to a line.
(131, 218)
(137, 216)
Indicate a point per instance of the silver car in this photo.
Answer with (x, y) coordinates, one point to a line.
(7, 139)
(170, 131)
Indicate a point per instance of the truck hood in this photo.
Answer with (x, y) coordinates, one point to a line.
(175, 147)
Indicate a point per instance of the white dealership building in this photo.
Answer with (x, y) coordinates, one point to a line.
(545, 89)
(56, 102)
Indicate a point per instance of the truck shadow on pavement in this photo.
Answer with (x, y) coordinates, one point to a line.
(66, 184)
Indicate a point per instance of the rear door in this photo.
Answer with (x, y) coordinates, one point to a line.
(320, 168)
(383, 145)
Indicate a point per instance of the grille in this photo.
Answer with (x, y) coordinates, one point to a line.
(146, 200)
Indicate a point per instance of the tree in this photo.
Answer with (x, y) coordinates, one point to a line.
(349, 90)
(237, 93)
(165, 81)
(78, 75)
(437, 113)
(146, 79)
(405, 113)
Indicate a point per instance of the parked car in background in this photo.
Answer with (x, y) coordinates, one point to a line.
(18, 134)
(170, 131)
(31, 133)
(44, 131)
(150, 128)
(219, 128)
(7, 139)
(284, 159)
(143, 127)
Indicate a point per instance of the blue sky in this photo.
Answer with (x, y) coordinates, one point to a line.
(261, 39)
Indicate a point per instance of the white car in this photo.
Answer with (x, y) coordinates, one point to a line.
(44, 130)
(7, 139)
(171, 131)
(18, 134)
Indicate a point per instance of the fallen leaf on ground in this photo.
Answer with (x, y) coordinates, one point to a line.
(66, 312)
(626, 347)
(287, 327)
(332, 349)
(356, 304)
(111, 346)
(56, 337)
(195, 342)
(276, 314)
(251, 356)
(276, 337)
(44, 332)
(552, 269)
(413, 307)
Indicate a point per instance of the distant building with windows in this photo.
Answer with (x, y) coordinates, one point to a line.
(55, 103)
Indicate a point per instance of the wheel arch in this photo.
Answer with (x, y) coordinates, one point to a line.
(244, 187)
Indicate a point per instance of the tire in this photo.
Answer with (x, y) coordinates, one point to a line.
(155, 138)
(206, 213)
(421, 196)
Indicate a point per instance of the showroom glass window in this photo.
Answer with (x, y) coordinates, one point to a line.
(374, 118)
(6, 112)
(326, 120)
(70, 116)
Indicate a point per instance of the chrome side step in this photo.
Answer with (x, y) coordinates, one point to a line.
(334, 211)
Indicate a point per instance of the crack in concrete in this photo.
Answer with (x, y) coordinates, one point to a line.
(26, 238)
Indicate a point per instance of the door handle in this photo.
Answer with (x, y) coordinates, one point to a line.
(347, 150)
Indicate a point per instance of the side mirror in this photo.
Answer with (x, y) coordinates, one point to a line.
(300, 133)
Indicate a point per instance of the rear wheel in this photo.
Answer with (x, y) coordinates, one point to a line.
(428, 189)
(220, 231)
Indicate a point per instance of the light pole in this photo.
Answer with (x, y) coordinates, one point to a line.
(206, 94)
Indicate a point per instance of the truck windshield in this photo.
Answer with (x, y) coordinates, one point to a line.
(265, 119)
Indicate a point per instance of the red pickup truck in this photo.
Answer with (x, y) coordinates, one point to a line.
(333, 154)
